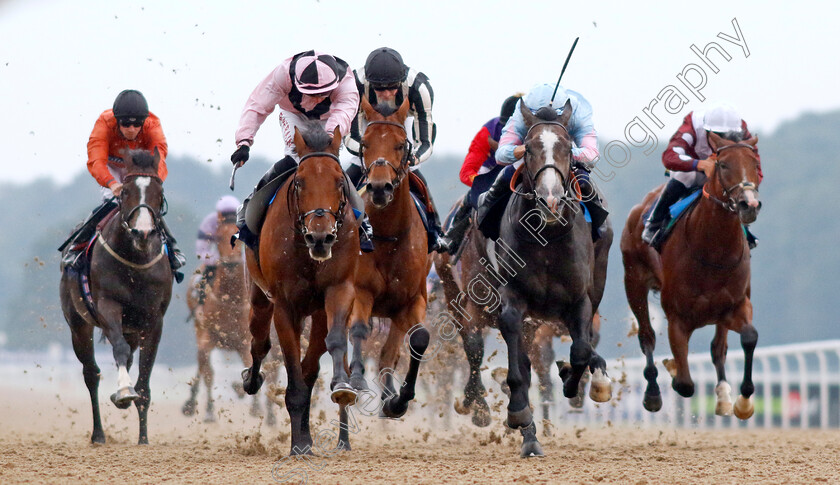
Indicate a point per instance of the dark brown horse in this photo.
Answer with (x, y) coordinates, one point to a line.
(391, 281)
(703, 274)
(130, 286)
(305, 265)
(221, 321)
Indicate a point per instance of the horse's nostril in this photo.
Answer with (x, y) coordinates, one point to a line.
(329, 239)
(743, 205)
(389, 187)
(309, 238)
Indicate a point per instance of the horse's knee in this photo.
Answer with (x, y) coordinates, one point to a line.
(419, 340)
(359, 330)
(509, 319)
(749, 337)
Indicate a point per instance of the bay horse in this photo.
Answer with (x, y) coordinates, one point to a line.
(221, 321)
(305, 265)
(703, 274)
(130, 284)
(545, 247)
(390, 281)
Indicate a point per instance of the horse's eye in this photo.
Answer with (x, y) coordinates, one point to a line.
(723, 166)
(399, 148)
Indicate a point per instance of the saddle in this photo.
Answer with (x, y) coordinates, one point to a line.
(677, 211)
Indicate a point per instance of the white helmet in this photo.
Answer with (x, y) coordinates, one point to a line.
(722, 118)
(227, 204)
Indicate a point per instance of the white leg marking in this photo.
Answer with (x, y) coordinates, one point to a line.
(123, 380)
(724, 399)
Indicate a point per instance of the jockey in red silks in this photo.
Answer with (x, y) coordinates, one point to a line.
(479, 170)
(310, 85)
(688, 161)
(129, 125)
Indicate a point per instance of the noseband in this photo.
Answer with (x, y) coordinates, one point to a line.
(399, 172)
(533, 177)
(729, 203)
(155, 214)
(320, 212)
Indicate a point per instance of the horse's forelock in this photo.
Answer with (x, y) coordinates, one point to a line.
(142, 159)
(385, 109)
(736, 136)
(314, 135)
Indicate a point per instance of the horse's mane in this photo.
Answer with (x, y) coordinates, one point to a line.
(735, 136)
(385, 109)
(142, 158)
(314, 135)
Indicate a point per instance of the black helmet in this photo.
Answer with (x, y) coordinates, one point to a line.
(131, 104)
(384, 67)
(508, 106)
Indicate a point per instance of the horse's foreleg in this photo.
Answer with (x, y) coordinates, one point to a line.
(678, 335)
(510, 325)
(148, 352)
(418, 342)
(111, 314)
(338, 301)
(260, 328)
(359, 333)
(82, 334)
(741, 322)
(474, 390)
(542, 356)
(297, 392)
(723, 406)
(637, 296)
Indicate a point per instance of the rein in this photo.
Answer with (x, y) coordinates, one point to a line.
(399, 172)
(319, 212)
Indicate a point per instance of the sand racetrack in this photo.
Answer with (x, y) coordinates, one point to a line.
(45, 439)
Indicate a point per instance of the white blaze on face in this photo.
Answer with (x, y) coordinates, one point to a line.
(123, 380)
(549, 178)
(145, 222)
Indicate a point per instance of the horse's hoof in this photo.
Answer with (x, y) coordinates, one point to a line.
(576, 402)
(252, 384)
(97, 438)
(461, 408)
(394, 408)
(531, 449)
(744, 407)
(358, 383)
(189, 408)
(144, 440)
(600, 388)
(343, 446)
(520, 419)
(723, 408)
(124, 397)
(683, 389)
(653, 403)
(209, 418)
(481, 417)
(343, 394)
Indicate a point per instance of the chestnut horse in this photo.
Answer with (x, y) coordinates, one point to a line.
(703, 274)
(391, 281)
(221, 322)
(305, 265)
(130, 287)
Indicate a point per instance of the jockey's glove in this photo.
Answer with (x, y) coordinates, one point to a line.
(240, 155)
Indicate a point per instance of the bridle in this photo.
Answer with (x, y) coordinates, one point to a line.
(729, 203)
(156, 215)
(399, 172)
(566, 182)
(319, 212)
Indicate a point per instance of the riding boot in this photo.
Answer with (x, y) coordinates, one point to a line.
(358, 205)
(245, 234)
(355, 174)
(486, 201)
(460, 223)
(176, 258)
(672, 192)
(208, 274)
(83, 233)
(435, 241)
(592, 201)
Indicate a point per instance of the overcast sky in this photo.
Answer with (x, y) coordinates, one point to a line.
(63, 62)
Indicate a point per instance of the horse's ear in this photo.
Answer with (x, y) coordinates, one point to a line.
(369, 111)
(402, 113)
(715, 141)
(567, 113)
(752, 141)
(125, 155)
(156, 155)
(529, 117)
(300, 145)
(336, 140)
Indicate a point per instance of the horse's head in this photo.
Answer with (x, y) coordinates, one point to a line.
(384, 150)
(548, 156)
(734, 184)
(225, 231)
(319, 189)
(141, 199)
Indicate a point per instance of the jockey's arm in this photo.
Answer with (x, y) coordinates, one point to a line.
(679, 155)
(477, 154)
(260, 104)
(97, 148)
(421, 98)
(156, 139)
(511, 148)
(344, 105)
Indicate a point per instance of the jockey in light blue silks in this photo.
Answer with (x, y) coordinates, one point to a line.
(511, 151)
